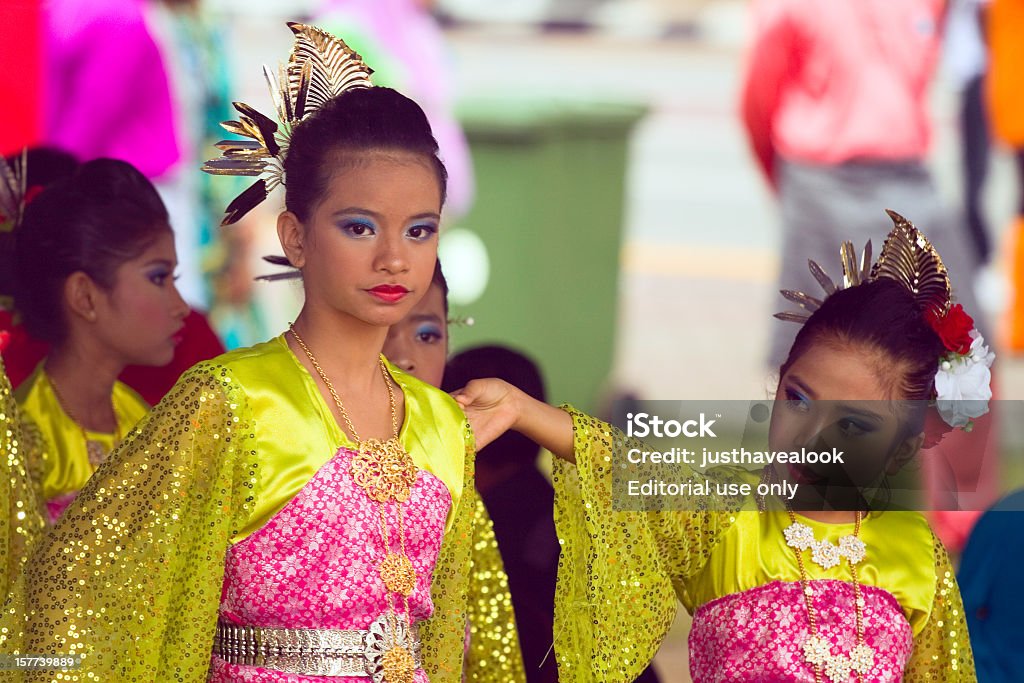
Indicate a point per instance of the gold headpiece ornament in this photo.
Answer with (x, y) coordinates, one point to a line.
(907, 257)
(12, 191)
(320, 67)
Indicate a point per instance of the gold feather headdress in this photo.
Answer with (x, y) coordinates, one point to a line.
(320, 67)
(12, 190)
(907, 257)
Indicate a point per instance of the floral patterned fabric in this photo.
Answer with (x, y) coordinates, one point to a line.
(774, 616)
(314, 565)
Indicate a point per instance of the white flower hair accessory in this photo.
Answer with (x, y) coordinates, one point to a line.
(963, 384)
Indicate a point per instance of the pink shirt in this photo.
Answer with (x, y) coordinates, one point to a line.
(830, 81)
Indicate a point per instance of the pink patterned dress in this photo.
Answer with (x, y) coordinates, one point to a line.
(314, 564)
(758, 635)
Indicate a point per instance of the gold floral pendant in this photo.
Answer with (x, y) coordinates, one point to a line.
(384, 470)
(398, 665)
(392, 650)
(398, 574)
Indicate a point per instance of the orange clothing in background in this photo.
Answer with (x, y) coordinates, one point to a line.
(1006, 70)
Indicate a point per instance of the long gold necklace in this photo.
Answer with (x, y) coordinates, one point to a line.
(817, 650)
(95, 450)
(386, 472)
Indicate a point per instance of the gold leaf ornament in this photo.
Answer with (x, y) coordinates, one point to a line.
(12, 191)
(910, 259)
(319, 68)
(906, 257)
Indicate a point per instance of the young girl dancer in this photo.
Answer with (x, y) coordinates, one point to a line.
(788, 594)
(94, 262)
(300, 510)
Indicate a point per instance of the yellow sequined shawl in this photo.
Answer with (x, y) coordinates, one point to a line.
(21, 514)
(130, 577)
(622, 574)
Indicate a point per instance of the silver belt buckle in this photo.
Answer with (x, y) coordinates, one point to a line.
(392, 650)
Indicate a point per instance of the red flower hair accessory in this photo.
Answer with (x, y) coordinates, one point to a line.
(954, 328)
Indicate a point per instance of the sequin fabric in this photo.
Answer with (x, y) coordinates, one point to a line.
(490, 604)
(21, 516)
(314, 564)
(471, 599)
(622, 574)
(615, 597)
(758, 635)
(942, 651)
(131, 576)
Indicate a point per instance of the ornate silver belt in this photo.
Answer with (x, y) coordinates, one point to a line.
(323, 652)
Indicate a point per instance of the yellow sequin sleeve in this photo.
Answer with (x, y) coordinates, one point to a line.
(130, 576)
(493, 639)
(470, 588)
(942, 650)
(21, 515)
(620, 573)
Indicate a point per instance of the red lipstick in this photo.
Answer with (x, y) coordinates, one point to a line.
(389, 293)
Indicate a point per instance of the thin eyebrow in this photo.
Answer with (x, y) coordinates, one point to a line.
(373, 214)
(803, 387)
(425, 317)
(863, 413)
(159, 262)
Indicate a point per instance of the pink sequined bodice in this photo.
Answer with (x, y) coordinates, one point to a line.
(314, 564)
(757, 635)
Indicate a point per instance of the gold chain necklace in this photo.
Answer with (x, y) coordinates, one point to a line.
(94, 450)
(386, 472)
(817, 650)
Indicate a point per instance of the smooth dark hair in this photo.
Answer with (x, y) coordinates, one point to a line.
(45, 165)
(105, 213)
(517, 369)
(357, 121)
(880, 316)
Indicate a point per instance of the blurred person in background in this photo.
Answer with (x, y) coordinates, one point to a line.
(106, 91)
(989, 578)
(22, 75)
(835, 103)
(834, 100)
(966, 61)
(1006, 106)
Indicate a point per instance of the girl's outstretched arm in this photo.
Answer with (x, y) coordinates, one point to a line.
(494, 406)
